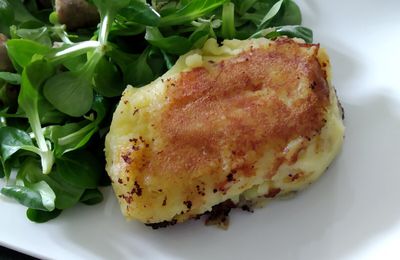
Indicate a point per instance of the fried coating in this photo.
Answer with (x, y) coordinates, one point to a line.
(243, 121)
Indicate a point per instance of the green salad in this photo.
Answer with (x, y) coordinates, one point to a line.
(64, 65)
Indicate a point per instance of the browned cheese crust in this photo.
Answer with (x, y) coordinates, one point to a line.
(233, 110)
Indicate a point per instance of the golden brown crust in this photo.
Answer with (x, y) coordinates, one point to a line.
(233, 110)
(237, 106)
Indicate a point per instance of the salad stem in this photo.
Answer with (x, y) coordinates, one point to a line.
(47, 157)
(105, 26)
(75, 50)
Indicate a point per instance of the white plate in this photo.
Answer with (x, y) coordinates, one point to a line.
(352, 212)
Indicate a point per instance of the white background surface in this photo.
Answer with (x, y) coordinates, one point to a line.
(352, 212)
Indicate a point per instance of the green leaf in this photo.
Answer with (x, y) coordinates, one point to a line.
(157, 62)
(66, 195)
(200, 36)
(291, 14)
(140, 12)
(29, 188)
(6, 12)
(169, 7)
(174, 44)
(122, 59)
(100, 106)
(2, 172)
(191, 11)
(245, 5)
(255, 18)
(69, 137)
(91, 197)
(12, 140)
(79, 169)
(40, 216)
(73, 136)
(139, 72)
(31, 83)
(70, 92)
(7, 16)
(11, 78)
(271, 14)
(111, 6)
(107, 78)
(74, 63)
(124, 28)
(168, 59)
(22, 15)
(48, 114)
(25, 196)
(296, 31)
(21, 51)
(46, 193)
(293, 31)
(39, 35)
(11, 165)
